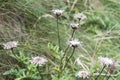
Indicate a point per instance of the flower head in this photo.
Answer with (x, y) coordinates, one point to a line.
(74, 25)
(74, 43)
(38, 60)
(80, 16)
(82, 74)
(10, 45)
(105, 61)
(58, 12)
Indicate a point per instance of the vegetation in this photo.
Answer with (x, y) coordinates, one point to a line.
(34, 25)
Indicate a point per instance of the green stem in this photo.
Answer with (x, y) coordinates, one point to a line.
(69, 58)
(82, 78)
(12, 50)
(66, 49)
(100, 72)
(58, 34)
(73, 33)
(105, 75)
(63, 56)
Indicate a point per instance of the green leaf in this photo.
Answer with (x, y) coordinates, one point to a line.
(10, 72)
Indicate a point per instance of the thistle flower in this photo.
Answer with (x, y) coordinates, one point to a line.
(82, 74)
(10, 45)
(38, 60)
(105, 61)
(74, 43)
(58, 12)
(74, 25)
(80, 16)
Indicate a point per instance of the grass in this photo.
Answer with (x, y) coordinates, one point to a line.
(24, 20)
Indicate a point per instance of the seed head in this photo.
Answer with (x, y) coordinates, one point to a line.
(10, 44)
(74, 25)
(39, 61)
(80, 16)
(82, 74)
(105, 61)
(74, 43)
(58, 12)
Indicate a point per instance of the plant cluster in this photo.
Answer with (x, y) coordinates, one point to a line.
(35, 68)
(80, 57)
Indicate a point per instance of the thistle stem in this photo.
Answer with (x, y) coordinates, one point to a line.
(66, 49)
(65, 53)
(100, 72)
(73, 33)
(82, 78)
(105, 75)
(12, 50)
(69, 58)
(58, 34)
(63, 56)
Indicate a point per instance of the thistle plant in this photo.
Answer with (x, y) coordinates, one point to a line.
(105, 62)
(74, 43)
(31, 70)
(63, 60)
(58, 13)
(59, 64)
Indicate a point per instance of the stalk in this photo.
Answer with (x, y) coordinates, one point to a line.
(69, 58)
(12, 50)
(100, 72)
(73, 33)
(63, 56)
(58, 34)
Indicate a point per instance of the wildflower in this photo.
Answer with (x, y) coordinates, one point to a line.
(38, 60)
(10, 45)
(74, 43)
(105, 61)
(82, 74)
(80, 16)
(74, 25)
(58, 12)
